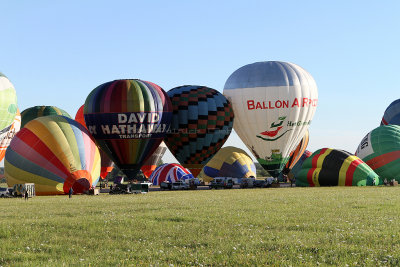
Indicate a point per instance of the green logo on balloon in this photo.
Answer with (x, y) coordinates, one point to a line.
(272, 134)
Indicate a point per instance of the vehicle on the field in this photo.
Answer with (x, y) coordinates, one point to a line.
(221, 182)
(130, 189)
(179, 185)
(165, 185)
(263, 183)
(247, 183)
(4, 192)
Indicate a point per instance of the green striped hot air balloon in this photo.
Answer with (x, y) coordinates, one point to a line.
(331, 167)
(40, 111)
(8, 104)
(380, 149)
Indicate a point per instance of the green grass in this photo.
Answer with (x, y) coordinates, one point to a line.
(282, 226)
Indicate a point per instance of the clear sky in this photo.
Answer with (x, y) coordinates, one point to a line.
(56, 52)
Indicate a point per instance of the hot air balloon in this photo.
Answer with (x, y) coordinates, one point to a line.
(274, 103)
(107, 165)
(392, 114)
(5, 138)
(169, 172)
(54, 152)
(296, 168)
(8, 104)
(229, 162)
(128, 119)
(202, 121)
(380, 149)
(297, 153)
(79, 117)
(39, 111)
(151, 163)
(331, 167)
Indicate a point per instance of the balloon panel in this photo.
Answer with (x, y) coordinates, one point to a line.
(297, 153)
(392, 114)
(151, 163)
(107, 165)
(39, 111)
(296, 168)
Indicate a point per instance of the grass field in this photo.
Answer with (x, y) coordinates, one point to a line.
(281, 226)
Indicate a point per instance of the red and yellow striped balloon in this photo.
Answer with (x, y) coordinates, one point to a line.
(107, 165)
(54, 152)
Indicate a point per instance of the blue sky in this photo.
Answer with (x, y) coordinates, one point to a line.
(56, 52)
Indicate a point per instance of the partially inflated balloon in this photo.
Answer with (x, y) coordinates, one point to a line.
(296, 168)
(5, 138)
(107, 165)
(331, 167)
(274, 103)
(380, 149)
(151, 163)
(392, 114)
(297, 153)
(54, 152)
(202, 121)
(128, 119)
(170, 172)
(229, 162)
(39, 111)
(8, 104)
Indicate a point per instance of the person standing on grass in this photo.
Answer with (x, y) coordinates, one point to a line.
(70, 192)
(26, 195)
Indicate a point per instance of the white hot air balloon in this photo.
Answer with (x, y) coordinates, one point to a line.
(274, 103)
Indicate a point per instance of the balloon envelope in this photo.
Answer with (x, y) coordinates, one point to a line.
(128, 119)
(297, 167)
(54, 152)
(8, 104)
(297, 153)
(5, 138)
(202, 121)
(392, 114)
(170, 172)
(331, 167)
(380, 149)
(229, 162)
(274, 103)
(107, 165)
(39, 111)
(151, 163)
